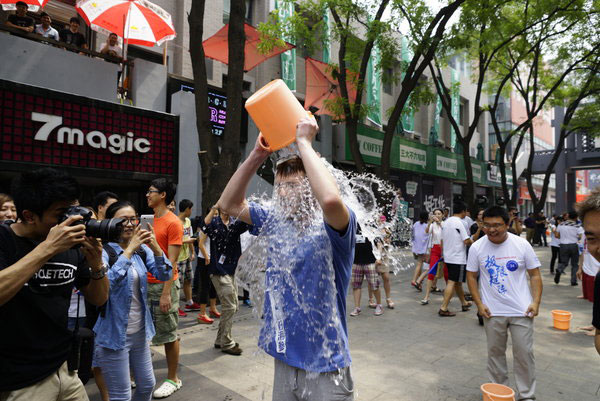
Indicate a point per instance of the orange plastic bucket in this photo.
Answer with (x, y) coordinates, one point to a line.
(497, 392)
(276, 112)
(562, 319)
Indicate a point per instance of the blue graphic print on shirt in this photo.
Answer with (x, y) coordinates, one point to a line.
(512, 266)
(497, 274)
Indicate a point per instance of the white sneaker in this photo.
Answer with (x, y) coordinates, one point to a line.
(378, 310)
(167, 388)
(355, 312)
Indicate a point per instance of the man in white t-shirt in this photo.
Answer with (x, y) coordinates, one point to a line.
(568, 233)
(45, 29)
(455, 240)
(504, 299)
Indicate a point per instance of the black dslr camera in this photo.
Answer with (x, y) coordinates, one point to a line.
(107, 230)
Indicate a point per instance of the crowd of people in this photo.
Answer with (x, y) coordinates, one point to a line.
(69, 34)
(100, 303)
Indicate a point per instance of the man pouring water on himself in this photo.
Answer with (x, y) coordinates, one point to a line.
(310, 236)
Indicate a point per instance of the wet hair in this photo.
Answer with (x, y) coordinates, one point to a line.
(5, 198)
(459, 207)
(589, 204)
(184, 204)
(167, 186)
(572, 214)
(37, 190)
(497, 211)
(290, 167)
(423, 216)
(115, 207)
(101, 198)
(74, 19)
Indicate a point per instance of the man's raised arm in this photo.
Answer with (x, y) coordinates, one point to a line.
(321, 181)
(233, 198)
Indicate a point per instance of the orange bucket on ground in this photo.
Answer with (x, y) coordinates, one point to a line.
(497, 392)
(276, 112)
(562, 319)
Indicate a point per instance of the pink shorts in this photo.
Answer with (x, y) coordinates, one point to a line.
(359, 272)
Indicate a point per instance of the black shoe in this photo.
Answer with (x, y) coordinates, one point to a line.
(574, 284)
(557, 277)
(235, 350)
(551, 271)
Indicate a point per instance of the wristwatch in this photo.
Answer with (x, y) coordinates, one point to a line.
(99, 274)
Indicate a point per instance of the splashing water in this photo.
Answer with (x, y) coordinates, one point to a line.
(288, 267)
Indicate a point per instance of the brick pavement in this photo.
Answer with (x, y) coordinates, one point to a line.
(409, 353)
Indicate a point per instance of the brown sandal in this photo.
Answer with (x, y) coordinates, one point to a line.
(446, 313)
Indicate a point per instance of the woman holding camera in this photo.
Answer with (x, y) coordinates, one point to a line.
(125, 328)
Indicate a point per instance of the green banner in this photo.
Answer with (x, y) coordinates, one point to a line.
(434, 133)
(327, 44)
(414, 156)
(288, 59)
(408, 116)
(374, 87)
(455, 105)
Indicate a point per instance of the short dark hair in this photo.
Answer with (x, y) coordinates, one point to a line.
(423, 216)
(167, 186)
(459, 207)
(290, 167)
(102, 197)
(497, 211)
(74, 19)
(21, 3)
(573, 214)
(111, 34)
(37, 190)
(115, 207)
(184, 204)
(44, 14)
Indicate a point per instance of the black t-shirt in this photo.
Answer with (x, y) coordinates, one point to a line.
(67, 36)
(34, 340)
(363, 250)
(20, 21)
(596, 313)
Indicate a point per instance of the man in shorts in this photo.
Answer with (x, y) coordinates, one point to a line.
(187, 256)
(364, 266)
(163, 296)
(455, 240)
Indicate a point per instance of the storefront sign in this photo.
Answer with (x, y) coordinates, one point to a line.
(476, 172)
(370, 146)
(217, 105)
(411, 155)
(411, 188)
(47, 127)
(446, 164)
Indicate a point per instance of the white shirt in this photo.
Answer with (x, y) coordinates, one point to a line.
(569, 234)
(553, 240)
(116, 48)
(590, 265)
(73, 305)
(454, 234)
(435, 230)
(206, 247)
(47, 33)
(468, 222)
(136, 313)
(503, 279)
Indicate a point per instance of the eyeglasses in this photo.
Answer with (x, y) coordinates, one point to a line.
(134, 221)
(152, 190)
(497, 225)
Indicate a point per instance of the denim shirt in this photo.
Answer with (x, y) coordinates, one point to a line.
(111, 330)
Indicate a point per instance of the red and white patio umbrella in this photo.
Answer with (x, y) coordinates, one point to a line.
(138, 22)
(32, 5)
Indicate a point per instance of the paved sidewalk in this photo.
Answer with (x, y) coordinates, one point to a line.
(409, 353)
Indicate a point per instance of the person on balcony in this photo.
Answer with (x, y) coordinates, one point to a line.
(72, 36)
(111, 46)
(20, 20)
(45, 29)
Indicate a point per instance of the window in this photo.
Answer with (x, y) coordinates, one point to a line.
(387, 81)
(461, 114)
(227, 11)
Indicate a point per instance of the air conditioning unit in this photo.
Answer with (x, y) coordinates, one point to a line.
(417, 136)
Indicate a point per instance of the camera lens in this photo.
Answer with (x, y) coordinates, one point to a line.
(107, 230)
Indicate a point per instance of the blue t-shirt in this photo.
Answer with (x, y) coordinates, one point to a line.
(304, 322)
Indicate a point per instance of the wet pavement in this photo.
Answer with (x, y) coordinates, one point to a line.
(409, 353)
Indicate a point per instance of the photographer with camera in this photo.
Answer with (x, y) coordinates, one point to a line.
(125, 327)
(41, 258)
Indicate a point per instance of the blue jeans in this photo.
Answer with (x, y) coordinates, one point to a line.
(116, 364)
